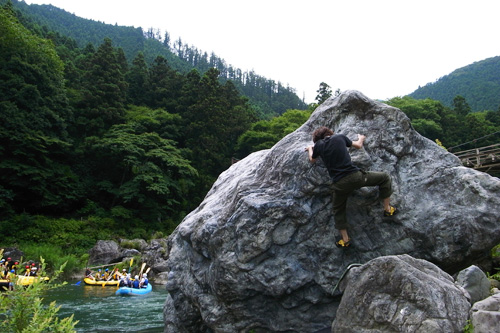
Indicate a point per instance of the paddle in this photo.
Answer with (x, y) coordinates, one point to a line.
(131, 262)
(110, 276)
(142, 268)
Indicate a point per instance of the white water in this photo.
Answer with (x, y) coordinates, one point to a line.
(98, 309)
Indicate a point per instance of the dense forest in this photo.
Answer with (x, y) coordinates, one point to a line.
(478, 83)
(99, 141)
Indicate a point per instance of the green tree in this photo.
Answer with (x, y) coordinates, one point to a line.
(150, 174)
(266, 133)
(165, 85)
(426, 115)
(104, 91)
(214, 123)
(324, 92)
(33, 113)
(138, 79)
(460, 106)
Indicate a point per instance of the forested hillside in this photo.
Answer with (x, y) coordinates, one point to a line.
(268, 97)
(86, 135)
(478, 83)
(94, 145)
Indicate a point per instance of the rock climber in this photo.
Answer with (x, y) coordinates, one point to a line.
(346, 177)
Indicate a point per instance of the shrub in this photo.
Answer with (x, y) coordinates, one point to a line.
(54, 257)
(23, 311)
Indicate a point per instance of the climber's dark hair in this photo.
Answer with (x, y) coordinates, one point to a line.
(321, 133)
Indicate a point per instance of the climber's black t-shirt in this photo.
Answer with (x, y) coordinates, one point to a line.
(334, 154)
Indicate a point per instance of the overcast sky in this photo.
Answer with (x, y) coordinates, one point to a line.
(383, 48)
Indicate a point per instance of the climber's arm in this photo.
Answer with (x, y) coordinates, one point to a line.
(310, 153)
(358, 144)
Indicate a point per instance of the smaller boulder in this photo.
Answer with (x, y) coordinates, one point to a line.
(401, 294)
(104, 252)
(129, 253)
(485, 315)
(13, 252)
(475, 282)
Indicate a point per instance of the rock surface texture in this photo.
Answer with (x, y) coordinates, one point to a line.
(259, 254)
(475, 282)
(401, 294)
(485, 315)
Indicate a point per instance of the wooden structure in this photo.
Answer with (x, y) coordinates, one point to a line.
(484, 159)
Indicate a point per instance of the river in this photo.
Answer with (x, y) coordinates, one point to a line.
(98, 309)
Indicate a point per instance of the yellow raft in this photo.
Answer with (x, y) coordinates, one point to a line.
(4, 284)
(101, 283)
(28, 280)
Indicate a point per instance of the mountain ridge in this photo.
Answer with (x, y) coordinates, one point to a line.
(478, 83)
(267, 96)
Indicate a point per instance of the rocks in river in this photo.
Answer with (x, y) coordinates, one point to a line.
(259, 253)
(153, 253)
(104, 252)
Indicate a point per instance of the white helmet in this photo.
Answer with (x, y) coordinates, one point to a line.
(145, 275)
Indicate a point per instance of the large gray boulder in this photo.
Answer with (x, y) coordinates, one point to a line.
(401, 294)
(258, 253)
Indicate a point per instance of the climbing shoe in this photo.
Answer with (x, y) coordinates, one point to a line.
(343, 244)
(391, 212)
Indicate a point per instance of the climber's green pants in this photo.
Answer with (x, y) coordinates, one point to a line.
(355, 181)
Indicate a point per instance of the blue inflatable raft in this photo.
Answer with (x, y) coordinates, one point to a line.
(134, 291)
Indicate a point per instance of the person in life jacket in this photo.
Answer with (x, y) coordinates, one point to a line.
(9, 264)
(136, 282)
(3, 268)
(128, 280)
(116, 274)
(122, 277)
(10, 277)
(144, 281)
(88, 273)
(98, 275)
(105, 276)
(33, 269)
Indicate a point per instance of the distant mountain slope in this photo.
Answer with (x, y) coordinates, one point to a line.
(85, 31)
(268, 97)
(479, 83)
